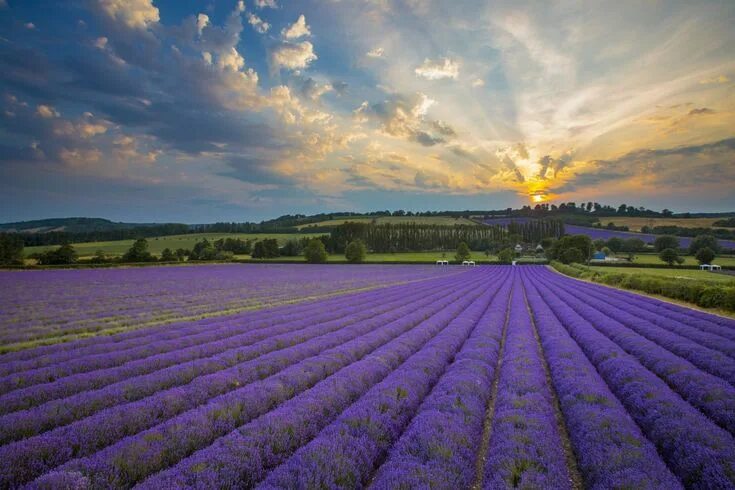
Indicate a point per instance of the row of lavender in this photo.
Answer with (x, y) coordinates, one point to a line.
(498, 377)
(53, 303)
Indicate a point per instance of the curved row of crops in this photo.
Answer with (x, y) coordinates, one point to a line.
(496, 377)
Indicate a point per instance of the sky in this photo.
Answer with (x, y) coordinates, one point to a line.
(226, 110)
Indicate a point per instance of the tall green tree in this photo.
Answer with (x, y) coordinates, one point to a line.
(705, 255)
(355, 251)
(666, 241)
(315, 252)
(669, 255)
(11, 249)
(463, 252)
(138, 252)
(703, 241)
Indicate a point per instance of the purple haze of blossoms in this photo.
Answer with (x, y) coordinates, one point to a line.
(390, 388)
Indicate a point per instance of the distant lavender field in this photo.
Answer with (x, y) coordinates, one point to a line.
(487, 377)
(603, 234)
(52, 303)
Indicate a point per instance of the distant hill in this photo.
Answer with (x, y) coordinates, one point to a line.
(69, 225)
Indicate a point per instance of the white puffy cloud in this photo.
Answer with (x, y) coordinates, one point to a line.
(258, 24)
(46, 111)
(202, 22)
(438, 69)
(230, 59)
(375, 53)
(478, 82)
(100, 42)
(297, 29)
(207, 57)
(135, 14)
(293, 56)
(266, 3)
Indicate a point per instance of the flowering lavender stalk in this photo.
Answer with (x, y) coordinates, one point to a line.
(707, 359)
(277, 337)
(345, 454)
(706, 322)
(665, 320)
(242, 458)
(698, 452)
(439, 448)
(525, 447)
(139, 455)
(59, 412)
(610, 449)
(95, 300)
(111, 351)
(714, 396)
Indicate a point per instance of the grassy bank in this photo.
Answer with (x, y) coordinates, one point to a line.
(706, 293)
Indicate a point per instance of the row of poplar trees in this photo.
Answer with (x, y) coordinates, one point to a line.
(412, 237)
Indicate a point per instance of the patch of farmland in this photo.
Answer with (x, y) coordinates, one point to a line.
(54, 305)
(382, 220)
(604, 234)
(491, 377)
(636, 223)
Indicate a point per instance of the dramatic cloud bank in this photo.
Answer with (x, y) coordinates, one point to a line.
(144, 110)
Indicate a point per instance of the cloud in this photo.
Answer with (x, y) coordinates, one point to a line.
(444, 128)
(677, 170)
(297, 29)
(231, 59)
(555, 164)
(375, 53)
(511, 165)
(478, 82)
(438, 69)
(700, 111)
(715, 80)
(313, 90)
(293, 56)
(29, 25)
(100, 42)
(202, 22)
(258, 24)
(46, 111)
(135, 14)
(426, 180)
(266, 4)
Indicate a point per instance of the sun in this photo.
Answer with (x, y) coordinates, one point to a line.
(537, 198)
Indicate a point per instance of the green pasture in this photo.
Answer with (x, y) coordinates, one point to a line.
(425, 257)
(689, 260)
(157, 244)
(685, 274)
(381, 220)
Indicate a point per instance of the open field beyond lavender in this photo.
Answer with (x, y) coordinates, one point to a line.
(485, 377)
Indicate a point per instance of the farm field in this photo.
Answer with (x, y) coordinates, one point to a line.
(427, 257)
(157, 244)
(79, 303)
(671, 272)
(437, 377)
(381, 220)
(635, 224)
(601, 233)
(688, 259)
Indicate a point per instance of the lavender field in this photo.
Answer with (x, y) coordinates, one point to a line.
(412, 377)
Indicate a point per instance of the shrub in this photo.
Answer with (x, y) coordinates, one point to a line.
(463, 252)
(669, 255)
(315, 252)
(505, 256)
(571, 255)
(713, 297)
(705, 255)
(703, 241)
(666, 241)
(355, 251)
